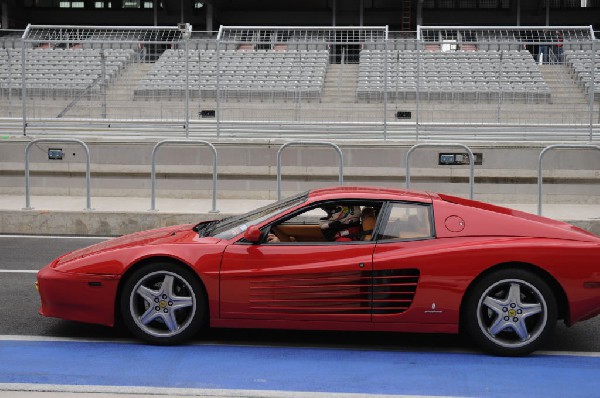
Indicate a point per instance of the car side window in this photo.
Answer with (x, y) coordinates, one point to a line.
(339, 221)
(303, 227)
(407, 221)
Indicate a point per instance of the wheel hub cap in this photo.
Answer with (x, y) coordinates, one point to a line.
(512, 313)
(162, 304)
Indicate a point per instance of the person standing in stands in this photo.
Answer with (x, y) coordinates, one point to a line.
(559, 47)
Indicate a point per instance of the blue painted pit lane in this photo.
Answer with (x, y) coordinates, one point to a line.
(226, 367)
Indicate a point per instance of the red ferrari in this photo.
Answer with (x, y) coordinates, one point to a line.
(344, 258)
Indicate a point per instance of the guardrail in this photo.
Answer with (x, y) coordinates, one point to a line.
(541, 157)
(444, 145)
(307, 143)
(56, 140)
(185, 142)
(279, 166)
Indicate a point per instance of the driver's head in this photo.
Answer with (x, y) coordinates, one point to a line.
(342, 214)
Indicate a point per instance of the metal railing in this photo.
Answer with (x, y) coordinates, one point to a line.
(279, 165)
(57, 140)
(185, 142)
(444, 145)
(473, 87)
(541, 157)
(308, 143)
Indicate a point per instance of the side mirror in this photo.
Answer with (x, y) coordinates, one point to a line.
(253, 234)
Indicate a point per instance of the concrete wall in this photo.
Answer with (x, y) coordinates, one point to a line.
(248, 170)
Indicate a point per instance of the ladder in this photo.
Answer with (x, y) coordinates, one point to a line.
(406, 15)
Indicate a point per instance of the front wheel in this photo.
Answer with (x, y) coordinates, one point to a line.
(163, 304)
(510, 312)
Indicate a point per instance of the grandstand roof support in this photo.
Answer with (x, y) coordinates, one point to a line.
(4, 14)
(505, 34)
(209, 15)
(74, 34)
(304, 34)
(361, 15)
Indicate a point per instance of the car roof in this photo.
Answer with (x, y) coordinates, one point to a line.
(367, 192)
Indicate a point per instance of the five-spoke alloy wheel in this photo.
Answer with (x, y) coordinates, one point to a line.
(510, 312)
(163, 304)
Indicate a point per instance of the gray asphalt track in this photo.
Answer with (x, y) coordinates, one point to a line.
(21, 256)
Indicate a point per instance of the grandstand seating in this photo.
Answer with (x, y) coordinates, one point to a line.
(292, 74)
(253, 74)
(580, 64)
(55, 72)
(461, 75)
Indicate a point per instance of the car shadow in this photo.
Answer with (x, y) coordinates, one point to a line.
(277, 338)
(577, 338)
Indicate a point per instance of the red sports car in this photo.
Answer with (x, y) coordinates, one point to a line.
(344, 258)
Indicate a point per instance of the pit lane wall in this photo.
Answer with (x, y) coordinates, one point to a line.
(247, 170)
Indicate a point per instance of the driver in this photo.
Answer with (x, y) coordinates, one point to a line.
(342, 223)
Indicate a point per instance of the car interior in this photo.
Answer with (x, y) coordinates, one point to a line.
(306, 226)
(403, 221)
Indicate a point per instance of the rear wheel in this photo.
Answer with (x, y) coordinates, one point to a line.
(163, 304)
(510, 312)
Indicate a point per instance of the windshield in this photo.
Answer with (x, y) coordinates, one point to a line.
(233, 226)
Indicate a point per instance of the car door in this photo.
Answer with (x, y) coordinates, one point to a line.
(405, 232)
(296, 279)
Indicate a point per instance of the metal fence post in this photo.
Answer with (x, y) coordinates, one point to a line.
(544, 151)
(103, 82)
(444, 145)
(499, 77)
(200, 77)
(385, 88)
(9, 82)
(397, 56)
(418, 91)
(187, 142)
(54, 140)
(23, 87)
(308, 143)
(187, 86)
(218, 91)
(592, 89)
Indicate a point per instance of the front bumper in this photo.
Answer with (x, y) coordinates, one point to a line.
(78, 297)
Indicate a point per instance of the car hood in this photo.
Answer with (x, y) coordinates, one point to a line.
(178, 233)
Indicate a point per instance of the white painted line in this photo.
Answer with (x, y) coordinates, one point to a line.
(19, 271)
(187, 392)
(57, 237)
(589, 354)
(14, 337)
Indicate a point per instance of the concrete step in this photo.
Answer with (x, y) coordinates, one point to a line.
(563, 87)
(340, 83)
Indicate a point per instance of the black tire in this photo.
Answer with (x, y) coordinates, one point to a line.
(163, 304)
(510, 312)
